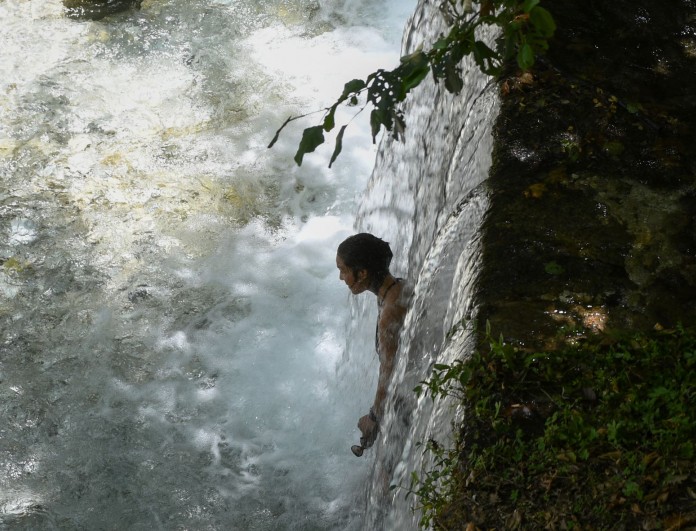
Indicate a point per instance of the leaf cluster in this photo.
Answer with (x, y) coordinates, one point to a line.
(524, 27)
(599, 435)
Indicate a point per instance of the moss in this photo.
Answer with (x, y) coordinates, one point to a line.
(16, 265)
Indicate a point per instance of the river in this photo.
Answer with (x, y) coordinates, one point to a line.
(172, 322)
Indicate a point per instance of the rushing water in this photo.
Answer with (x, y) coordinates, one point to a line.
(170, 311)
(427, 196)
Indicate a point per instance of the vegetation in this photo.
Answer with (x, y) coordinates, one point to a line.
(598, 435)
(523, 26)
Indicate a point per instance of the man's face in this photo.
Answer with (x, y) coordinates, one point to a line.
(356, 284)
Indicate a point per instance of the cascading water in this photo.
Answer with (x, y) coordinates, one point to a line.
(170, 310)
(427, 198)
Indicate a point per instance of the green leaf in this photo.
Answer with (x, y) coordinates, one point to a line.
(453, 79)
(312, 137)
(441, 43)
(553, 268)
(542, 21)
(414, 71)
(525, 57)
(376, 121)
(339, 145)
(464, 376)
(416, 57)
(485, 57)
(412, 81)
(633, 108)
(352, 87)
(462, 48)
(329, 120)
(529, 5)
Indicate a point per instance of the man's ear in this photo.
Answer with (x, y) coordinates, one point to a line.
(362, 274)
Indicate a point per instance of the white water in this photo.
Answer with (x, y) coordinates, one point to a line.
(170, 310)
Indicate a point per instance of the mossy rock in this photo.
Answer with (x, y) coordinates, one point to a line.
(97, 9)
(593, 176)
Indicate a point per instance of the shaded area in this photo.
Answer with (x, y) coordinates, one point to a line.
(592, 222)
(595, 436)
(590, 237)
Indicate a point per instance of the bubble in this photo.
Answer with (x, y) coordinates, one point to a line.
(22, 231)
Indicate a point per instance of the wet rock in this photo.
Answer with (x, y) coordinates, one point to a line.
(97, 9)
(140, 293)
(595, 197)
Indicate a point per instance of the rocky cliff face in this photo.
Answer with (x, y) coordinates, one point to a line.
(585, 221)
(592, 223)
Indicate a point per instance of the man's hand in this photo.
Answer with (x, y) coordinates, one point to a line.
(369, 429)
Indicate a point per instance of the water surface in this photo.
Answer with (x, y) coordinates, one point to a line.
(170, 311)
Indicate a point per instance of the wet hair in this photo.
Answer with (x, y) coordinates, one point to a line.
(365, 251)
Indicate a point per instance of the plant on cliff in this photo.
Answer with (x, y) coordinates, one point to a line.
(597, 435)
(523, 26)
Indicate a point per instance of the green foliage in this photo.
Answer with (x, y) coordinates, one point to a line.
(553, 268)
(595, 435)
(524, 28)
(312, 137)
(431, 488)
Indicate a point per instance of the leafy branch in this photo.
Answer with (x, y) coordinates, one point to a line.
(524, 28)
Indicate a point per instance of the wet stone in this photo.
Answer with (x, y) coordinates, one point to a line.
(97, 9)
(593, 176)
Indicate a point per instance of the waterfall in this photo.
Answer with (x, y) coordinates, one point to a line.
(427, 197)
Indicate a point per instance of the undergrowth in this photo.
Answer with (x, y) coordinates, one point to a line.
(597, 435)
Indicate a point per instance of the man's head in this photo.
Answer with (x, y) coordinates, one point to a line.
(363, 260)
